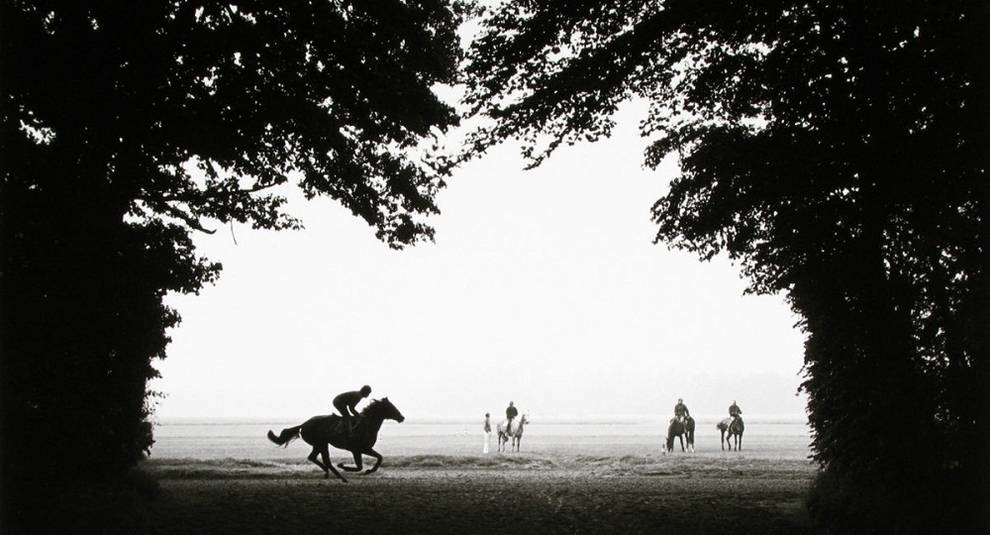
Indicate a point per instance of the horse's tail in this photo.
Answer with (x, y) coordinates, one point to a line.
(286, 436)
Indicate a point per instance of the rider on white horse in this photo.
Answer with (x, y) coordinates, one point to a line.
(510, 412)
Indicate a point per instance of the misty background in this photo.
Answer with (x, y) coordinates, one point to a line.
(543, 287)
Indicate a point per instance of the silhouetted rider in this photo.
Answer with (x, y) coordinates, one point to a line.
(681, 411)
(346, 404)
(510, 413)
(734, 410)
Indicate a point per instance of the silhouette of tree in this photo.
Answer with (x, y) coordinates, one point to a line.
(127, 125)
(838, 152)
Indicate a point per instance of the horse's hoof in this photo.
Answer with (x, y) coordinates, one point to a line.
(369, 471)
(340, 465)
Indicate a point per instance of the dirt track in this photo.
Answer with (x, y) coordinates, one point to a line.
(519, 495)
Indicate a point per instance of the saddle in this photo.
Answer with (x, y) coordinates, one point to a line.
(339, 426)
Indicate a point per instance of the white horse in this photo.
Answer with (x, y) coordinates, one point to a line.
(515, 433)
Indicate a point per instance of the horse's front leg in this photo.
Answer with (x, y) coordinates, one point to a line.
(681, 439)
(378, 460)
(359, 463)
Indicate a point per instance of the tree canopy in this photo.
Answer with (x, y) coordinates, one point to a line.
(837, 151)
(128, 125)
(246, 92)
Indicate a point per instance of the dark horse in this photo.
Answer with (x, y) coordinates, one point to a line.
(733, 427)
(323, 431)
(680, 430)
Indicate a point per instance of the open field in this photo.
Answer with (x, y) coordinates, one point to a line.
(512, 493)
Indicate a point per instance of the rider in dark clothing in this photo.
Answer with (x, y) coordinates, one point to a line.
(680, 410)
(734, 410)
(510, 413)
(346, 403)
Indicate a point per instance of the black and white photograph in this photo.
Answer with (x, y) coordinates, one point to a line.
(494, 267)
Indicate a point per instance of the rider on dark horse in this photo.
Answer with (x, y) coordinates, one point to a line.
(510, 413)
(734, 410)
(681, 411)
(346, 403)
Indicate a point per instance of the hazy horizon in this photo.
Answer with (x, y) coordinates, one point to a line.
(543, 287)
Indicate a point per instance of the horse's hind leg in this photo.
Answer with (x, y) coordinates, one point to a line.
(325, 453)
(313, 458)
(358, 462)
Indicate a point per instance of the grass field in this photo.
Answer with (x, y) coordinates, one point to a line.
(516, 493)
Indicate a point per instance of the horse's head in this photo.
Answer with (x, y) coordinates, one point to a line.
(390, 412)
(383, 408)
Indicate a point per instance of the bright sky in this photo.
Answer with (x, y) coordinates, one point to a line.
(543, 287)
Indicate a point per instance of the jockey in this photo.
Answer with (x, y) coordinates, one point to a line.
(681, 411)
(734, 410)
(346, 403)
(510, 412)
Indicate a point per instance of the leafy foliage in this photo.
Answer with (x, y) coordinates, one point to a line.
(837, 151)
(128, 125)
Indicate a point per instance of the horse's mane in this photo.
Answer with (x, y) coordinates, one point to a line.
(373, 407)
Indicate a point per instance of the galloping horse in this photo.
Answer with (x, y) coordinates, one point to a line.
(322, 431)
(680, 430)
(515, 433)
(734, 427)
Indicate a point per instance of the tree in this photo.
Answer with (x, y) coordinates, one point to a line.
(128, 125)
(837, 151)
